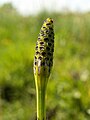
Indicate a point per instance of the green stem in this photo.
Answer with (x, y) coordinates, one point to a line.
(40, 91)
(41, 112)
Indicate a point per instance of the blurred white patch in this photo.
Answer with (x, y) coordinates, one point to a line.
(88, 111)
(84, 75)
(77, 94)
(27, 7)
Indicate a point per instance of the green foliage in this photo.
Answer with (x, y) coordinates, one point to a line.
(69, 84)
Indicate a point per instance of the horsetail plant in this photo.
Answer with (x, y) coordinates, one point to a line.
(43, 62)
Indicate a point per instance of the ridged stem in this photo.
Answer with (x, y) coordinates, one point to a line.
(41, 112)
(40, 93)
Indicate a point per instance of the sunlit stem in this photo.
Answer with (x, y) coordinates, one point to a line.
(40, 91)
(41, 105)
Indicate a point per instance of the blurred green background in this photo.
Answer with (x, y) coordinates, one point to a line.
(68, 91)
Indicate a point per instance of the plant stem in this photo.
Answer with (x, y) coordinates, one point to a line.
(40, 91)
(41, 105)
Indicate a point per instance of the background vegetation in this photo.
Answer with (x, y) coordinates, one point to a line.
(68, 92)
